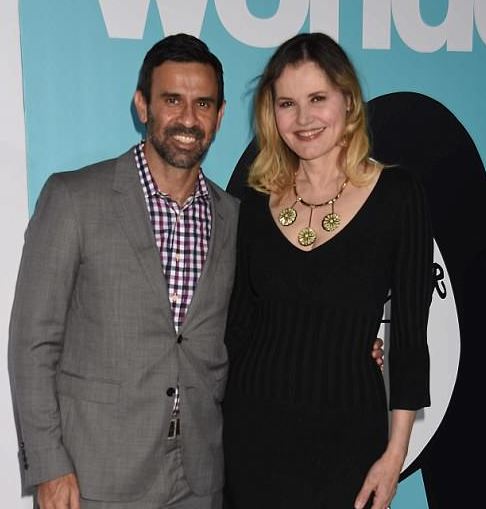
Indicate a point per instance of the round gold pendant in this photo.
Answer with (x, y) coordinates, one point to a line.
(287, 216)
(331, 222)
(307, 237)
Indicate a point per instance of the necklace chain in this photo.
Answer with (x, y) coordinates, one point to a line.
(316, 205)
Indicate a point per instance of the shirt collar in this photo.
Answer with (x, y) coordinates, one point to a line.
(149, 185)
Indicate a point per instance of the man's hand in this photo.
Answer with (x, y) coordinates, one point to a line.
(377, 353)
(60, 493)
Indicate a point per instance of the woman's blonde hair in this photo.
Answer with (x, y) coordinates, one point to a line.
(274, 167)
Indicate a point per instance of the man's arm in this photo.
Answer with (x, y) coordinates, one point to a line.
(45, 283)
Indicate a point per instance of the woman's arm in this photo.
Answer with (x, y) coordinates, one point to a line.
(382, 478)
(411, 290)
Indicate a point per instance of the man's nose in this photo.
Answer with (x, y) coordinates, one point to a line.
(188, 116)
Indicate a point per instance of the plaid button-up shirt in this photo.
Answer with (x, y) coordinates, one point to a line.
(182, 235)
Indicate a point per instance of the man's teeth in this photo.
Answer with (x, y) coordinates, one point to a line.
(184, 139)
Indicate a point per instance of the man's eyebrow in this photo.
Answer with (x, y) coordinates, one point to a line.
(207, 99)
(176, 95)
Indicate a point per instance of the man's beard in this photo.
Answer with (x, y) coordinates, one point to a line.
(174, 155)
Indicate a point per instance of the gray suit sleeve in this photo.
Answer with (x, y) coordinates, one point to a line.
(47, 275)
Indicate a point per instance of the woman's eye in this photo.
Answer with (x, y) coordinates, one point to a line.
(285, 104)
(318, 98)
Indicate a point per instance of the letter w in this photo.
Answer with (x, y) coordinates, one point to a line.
(127, 19)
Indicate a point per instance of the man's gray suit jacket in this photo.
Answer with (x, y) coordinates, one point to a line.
(93, 348)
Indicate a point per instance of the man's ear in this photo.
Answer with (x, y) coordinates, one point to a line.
(141, 106)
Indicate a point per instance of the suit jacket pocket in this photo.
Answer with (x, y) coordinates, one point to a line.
(88, 389)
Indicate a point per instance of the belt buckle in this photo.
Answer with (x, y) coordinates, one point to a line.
(174, 428)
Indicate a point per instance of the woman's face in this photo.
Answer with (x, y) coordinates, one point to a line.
(310, 112)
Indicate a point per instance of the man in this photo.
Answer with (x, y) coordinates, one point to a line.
(116, 354)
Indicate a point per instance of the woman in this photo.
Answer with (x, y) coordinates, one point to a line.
(324, 233)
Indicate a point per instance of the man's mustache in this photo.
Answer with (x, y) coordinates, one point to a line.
(174, 130)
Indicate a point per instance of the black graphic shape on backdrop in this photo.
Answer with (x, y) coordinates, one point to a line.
(237, 182)
(418, 132)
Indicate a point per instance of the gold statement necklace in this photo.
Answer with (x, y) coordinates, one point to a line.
(307, 236)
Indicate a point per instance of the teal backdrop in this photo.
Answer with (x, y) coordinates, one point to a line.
(80, 60)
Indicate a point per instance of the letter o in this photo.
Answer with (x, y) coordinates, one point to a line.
(262, 32)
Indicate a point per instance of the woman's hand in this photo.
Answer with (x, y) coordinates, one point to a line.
(382, 477)
(381, 482)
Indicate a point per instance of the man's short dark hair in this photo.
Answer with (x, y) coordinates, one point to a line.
(178, 48)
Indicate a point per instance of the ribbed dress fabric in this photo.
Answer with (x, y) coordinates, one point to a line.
(305, 408)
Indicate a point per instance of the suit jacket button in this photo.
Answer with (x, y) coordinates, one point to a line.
(26, 466)
(180, 339)
(170, 392)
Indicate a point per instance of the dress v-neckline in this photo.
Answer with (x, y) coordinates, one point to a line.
(345, 228)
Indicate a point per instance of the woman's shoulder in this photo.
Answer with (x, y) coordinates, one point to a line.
(250, 197)
(403, 190)
(253, 205)
(400, 179)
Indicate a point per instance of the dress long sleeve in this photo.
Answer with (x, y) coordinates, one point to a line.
(411, 296)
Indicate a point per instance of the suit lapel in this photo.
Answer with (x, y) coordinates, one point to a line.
(216, 245)
(132, 211)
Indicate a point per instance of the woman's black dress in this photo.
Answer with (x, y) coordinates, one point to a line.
(305, 412)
